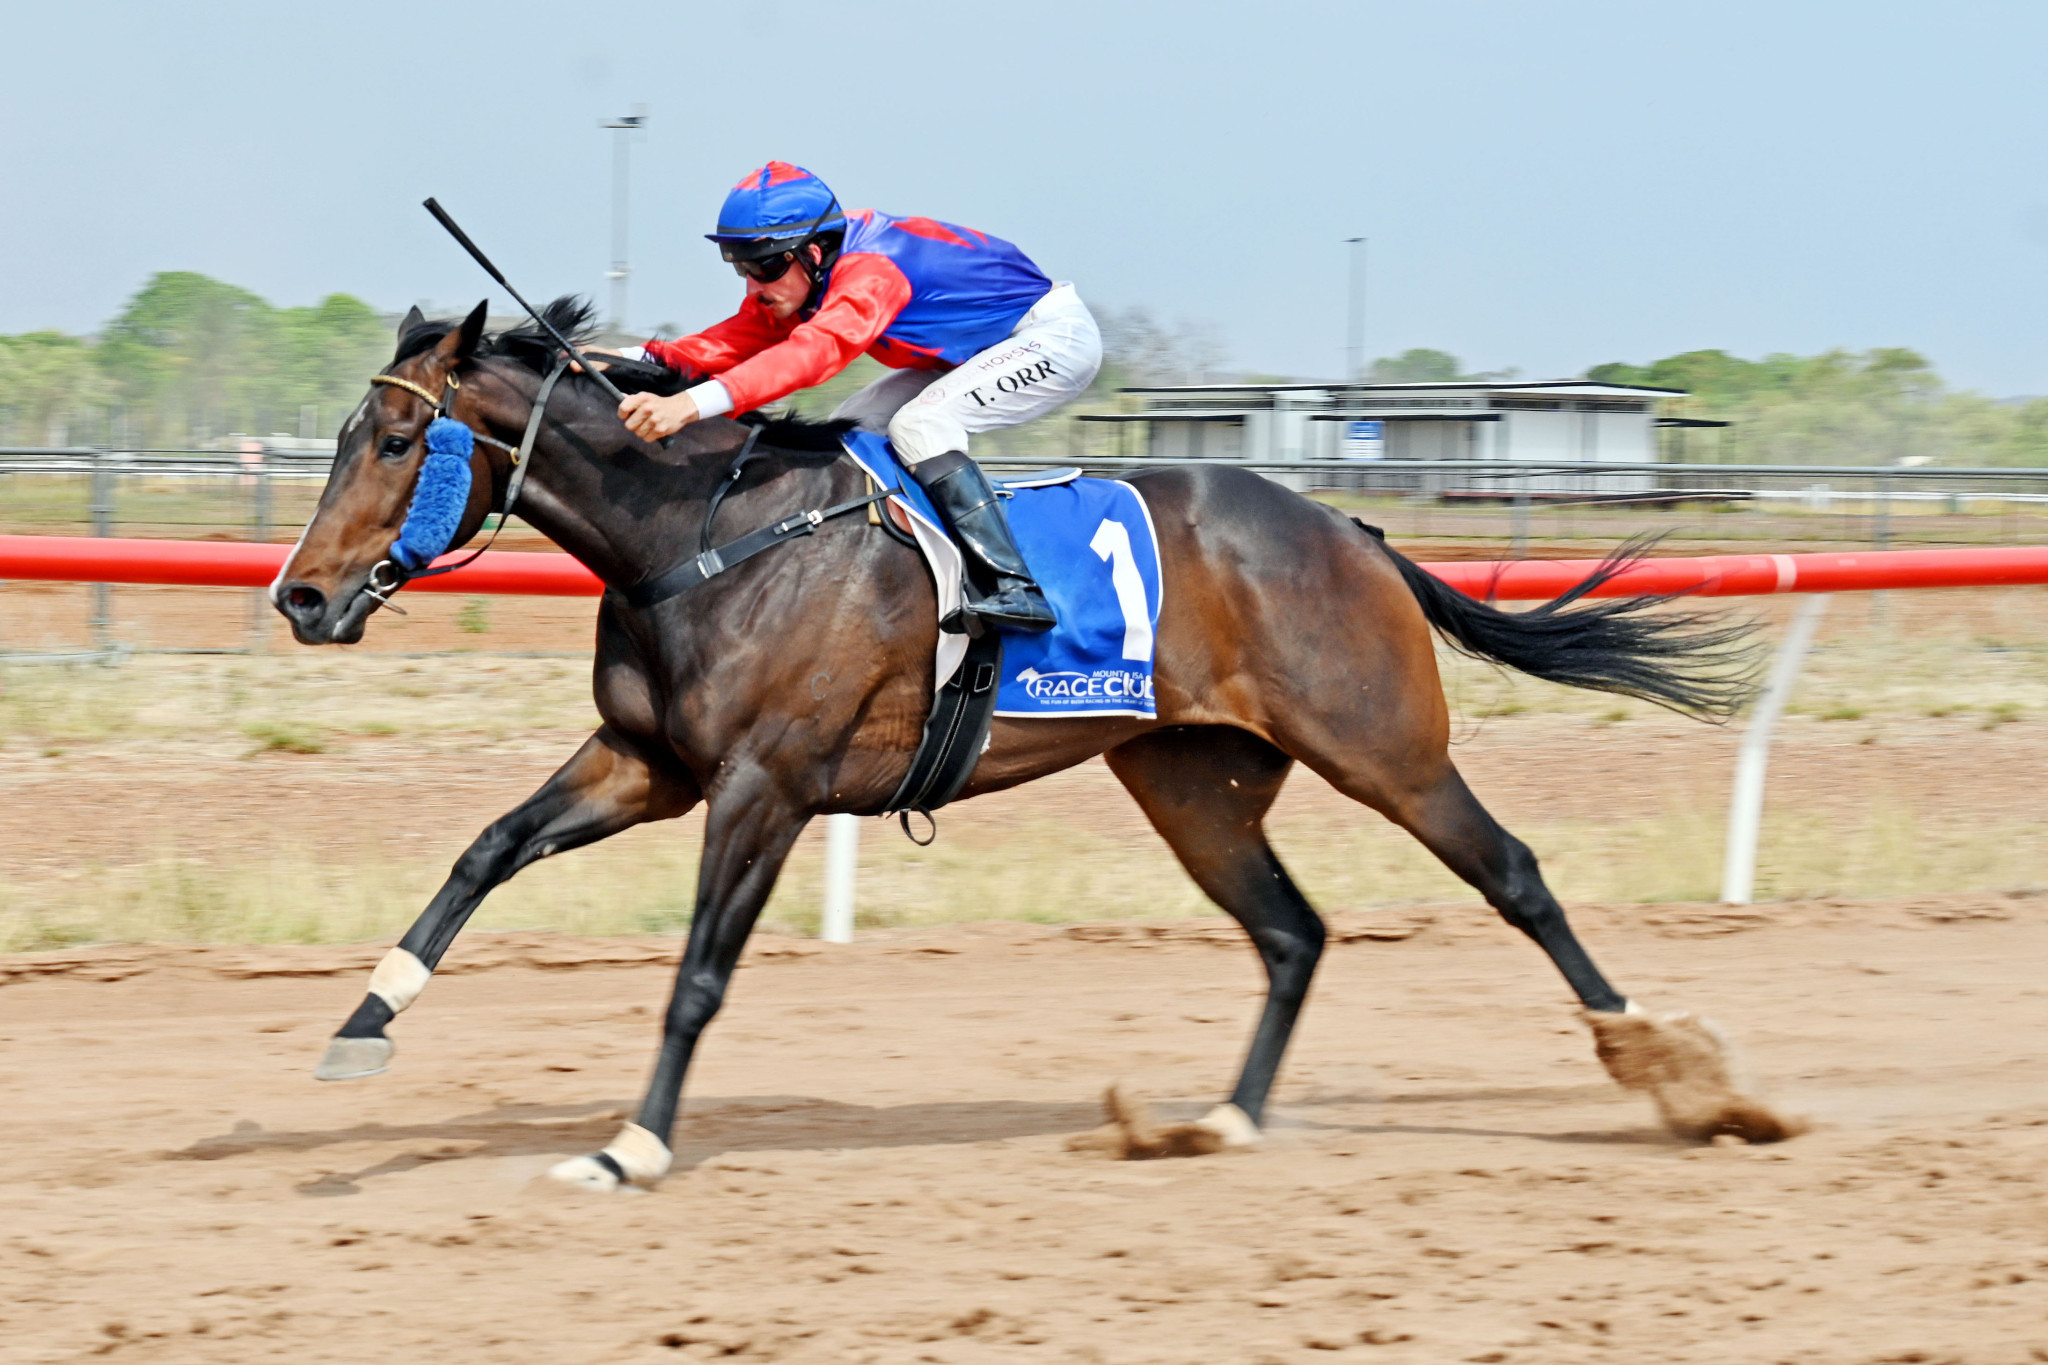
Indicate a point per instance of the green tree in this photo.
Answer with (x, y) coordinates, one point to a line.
(324, 356)
(194, 353)
(43, 377)
(1417, 365)
(193, 358)
(1844, 407)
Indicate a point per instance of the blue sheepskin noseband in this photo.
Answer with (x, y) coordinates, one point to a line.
(440, 496)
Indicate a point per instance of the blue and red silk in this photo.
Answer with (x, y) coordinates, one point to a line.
(914, 293)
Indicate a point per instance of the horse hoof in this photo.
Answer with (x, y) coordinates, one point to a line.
(1690, 1072)
(1132, 1135)
(350, 1058)
(1232, 1124)
(584, 1173)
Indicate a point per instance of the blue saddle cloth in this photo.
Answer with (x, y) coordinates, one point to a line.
(1091, 545)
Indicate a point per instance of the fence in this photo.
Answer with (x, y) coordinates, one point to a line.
(264, 488)
(258, 491)
(73, 559)
(1525, 502)
(263, 491)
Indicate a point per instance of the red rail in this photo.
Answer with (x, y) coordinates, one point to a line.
(223, 564)
(1756, 575)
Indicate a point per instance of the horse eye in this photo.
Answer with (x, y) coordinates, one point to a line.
(391, 447)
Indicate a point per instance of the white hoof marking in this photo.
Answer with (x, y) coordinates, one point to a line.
(584, 1173)
(1232, 1124)
(399, 979)
(640, 1154)
(347, 1059)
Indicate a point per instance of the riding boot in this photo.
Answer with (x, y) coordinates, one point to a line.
(971, 509)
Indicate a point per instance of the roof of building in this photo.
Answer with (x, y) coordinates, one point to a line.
(1586, 386)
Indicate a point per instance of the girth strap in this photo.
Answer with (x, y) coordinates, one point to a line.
(954, 733)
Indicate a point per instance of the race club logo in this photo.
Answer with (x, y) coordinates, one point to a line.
(1082, 691)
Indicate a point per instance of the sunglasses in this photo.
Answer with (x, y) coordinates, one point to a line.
(768, 270)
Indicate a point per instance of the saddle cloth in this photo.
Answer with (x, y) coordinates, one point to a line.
(1092, 547)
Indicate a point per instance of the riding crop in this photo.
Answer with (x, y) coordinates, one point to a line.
(441, 215)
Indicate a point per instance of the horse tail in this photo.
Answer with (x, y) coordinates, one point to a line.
(1698, 663)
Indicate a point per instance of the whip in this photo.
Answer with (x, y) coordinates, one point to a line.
(441, 215)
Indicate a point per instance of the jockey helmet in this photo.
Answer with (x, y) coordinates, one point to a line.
(775, 209)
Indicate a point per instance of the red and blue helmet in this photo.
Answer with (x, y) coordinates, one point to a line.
(777, 203)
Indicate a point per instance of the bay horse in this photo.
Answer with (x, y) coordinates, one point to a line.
(798, 683)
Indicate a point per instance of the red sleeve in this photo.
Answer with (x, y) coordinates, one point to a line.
(866, 294)
(722, 345)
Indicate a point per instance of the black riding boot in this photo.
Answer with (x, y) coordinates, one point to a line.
(974, 513)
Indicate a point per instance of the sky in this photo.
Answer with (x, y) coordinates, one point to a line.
(1543, 186)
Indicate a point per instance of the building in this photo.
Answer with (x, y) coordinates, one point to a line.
(1542, 421)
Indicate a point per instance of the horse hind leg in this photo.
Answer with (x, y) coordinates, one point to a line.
(1207, 790)
(1446, 817)
(1681, 1061)
(605, 788)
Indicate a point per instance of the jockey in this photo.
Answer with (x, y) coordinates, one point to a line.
(976, 336)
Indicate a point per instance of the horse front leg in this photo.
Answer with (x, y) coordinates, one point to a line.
(605, 788)
(747, 835)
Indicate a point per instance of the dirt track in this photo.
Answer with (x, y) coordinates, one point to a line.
(871, 1167)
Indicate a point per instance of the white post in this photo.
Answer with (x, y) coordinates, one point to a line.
(842, 861)
(1746, 810)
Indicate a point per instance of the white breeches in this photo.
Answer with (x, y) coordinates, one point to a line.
(1048, 359)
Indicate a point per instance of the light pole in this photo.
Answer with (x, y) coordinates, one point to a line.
(1355, 332)
(624, 127)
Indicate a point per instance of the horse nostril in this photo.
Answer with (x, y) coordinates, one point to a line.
(302, 602)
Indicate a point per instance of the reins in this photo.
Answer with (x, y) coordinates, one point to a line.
(711, 560)
(386, 577)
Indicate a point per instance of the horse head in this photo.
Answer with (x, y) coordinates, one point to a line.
(341, 569)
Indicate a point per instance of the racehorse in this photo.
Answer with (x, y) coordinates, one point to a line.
(798, 683)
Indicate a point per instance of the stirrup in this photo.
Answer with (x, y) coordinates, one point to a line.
(987, 612)
(963, 620)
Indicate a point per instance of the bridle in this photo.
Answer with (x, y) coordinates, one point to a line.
(710, 560)
(381, 587)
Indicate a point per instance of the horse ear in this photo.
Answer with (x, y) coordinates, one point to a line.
(413, 318)
(472, 331)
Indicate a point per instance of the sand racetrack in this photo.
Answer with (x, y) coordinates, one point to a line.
(871, 1164)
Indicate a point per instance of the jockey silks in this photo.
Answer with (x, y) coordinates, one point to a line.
(914, 293)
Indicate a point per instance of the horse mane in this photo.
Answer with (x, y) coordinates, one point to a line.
(573, 317)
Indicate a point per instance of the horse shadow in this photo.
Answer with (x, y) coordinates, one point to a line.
(1299, 1114)
(711, 1127)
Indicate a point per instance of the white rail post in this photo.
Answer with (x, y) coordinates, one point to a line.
(1746, 810)
(842, 862)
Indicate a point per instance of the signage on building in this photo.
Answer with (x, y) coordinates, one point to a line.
(1365, 440)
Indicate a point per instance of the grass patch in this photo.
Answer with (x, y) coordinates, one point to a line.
(2001, 713)
(1843, 713)
(1044, 872)
(280, 737)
